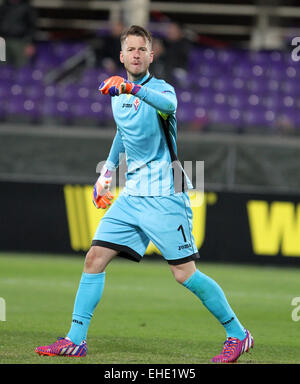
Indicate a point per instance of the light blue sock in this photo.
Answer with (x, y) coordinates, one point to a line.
(88, 296)
(213, 298)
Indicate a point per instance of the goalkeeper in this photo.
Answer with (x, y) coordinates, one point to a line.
(153, 206)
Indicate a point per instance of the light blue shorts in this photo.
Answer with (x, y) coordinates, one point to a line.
(132, 221)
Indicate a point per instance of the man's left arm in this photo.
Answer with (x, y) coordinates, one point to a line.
(164, 100)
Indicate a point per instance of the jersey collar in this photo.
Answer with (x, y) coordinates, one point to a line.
(144, 79)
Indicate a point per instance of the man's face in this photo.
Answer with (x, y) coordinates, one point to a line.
(136, 55)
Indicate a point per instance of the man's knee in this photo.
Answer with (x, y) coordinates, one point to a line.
(97, 259)
(179, 276)
(91, 257)
(182, 272)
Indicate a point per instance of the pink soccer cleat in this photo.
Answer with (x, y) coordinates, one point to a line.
(234, 348)
(63, 347)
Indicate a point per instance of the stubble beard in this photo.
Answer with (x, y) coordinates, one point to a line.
(136, 76)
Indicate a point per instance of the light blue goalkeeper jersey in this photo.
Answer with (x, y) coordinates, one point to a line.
(146, 134)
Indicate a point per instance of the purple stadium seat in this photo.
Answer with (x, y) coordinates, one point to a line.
(73, 92)
(48, 108)
(225, 116)
(28, 75)
(83, 92)
(35, 92)
(288, 102)
(254, 100)
(97, 109)
(47, 62)
(88, 109)
(194, 59)
(6, 72)
(220, 98)
(182, 79)
(204, 99)
(63, 109)
(5, 85)
(32, 108)
(22, 106)
(273, 85)
(66, 50)
(223, 84)
(200, 114)
(290, 87)
(272, 101)
(209, 54)
(67, 92)
(203, 82)
(258, 86)
(186, 113)
(259, 70)
(46, 59)
(247, 70)
(242, 70)
(291, 112)
(210, 69)
(80, 109)
(258, 57)
(239, 84)
(50, 92)
(276, 71)
(88, 78)
(227, 57)
(93, 77)
(15, 90)
(235, 116)
(278, 101)
(292, 72)
(258, 117)
(276, 56)
(56, 109)
(237, 100)
(184, 96)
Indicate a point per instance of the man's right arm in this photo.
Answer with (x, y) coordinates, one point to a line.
(101, 194)
(116, 153)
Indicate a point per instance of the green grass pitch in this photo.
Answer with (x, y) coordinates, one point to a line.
(144, 317)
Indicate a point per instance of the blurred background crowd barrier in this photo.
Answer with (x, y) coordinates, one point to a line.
(236, 70)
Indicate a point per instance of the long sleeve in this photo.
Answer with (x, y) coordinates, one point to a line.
(164, 101)
(116, 154)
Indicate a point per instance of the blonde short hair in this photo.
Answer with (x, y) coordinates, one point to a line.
(136, 30)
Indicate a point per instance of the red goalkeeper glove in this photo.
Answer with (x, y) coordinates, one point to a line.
(117, 85)
(101, 194)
